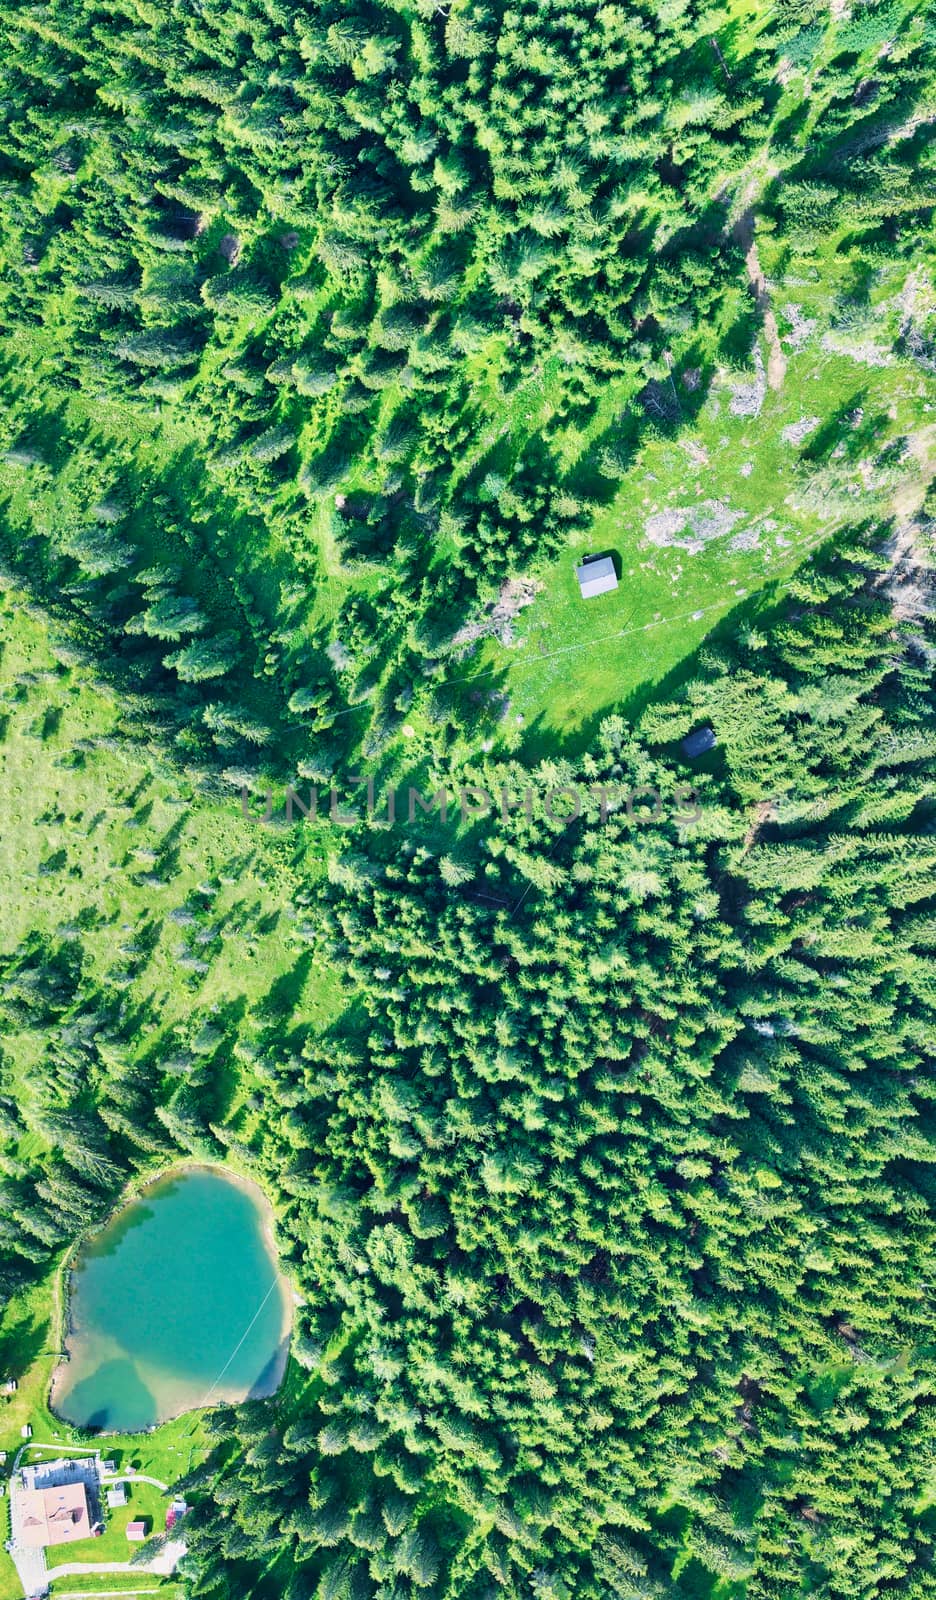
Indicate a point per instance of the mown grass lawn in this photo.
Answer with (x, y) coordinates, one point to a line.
(145, 1503)
(116, 1583)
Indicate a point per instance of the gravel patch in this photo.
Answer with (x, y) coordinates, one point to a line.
(865, 352)
(796, 432)
(691, 528)
(748, 398)
(497, 621)
(802, 327)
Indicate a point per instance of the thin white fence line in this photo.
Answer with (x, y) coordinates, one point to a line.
(240, 1341)
(518, 665)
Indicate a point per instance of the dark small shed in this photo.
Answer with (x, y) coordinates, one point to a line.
(696, 744)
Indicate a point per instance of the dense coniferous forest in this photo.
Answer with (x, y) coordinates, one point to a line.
(599, 1140)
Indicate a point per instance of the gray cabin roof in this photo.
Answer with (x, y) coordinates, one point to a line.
(596, 576)
(696, 744)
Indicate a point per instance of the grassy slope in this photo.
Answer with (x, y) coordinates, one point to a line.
(118, 1583)
(576, 661)
(112, 826)
(108, 816)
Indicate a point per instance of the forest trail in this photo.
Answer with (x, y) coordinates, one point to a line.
(743, 232)
(764, 811)
(889, 134)
(909, 495)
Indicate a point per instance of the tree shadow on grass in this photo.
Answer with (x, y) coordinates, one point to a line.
(849, 431)
(283, 997)
(542, 740)
(20, 1345)
(762, 608)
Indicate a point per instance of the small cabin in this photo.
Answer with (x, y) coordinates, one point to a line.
(697, 743)
(176, 1510)
(596, 575)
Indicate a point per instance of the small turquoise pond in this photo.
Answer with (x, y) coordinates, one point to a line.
(177, 1303)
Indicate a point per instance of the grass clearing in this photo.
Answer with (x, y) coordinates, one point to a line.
(780, 482)
(157, 876)
(116, 1583)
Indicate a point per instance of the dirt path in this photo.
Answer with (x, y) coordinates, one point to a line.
(57, 1449)
(764, 811)
(133, 1477)
(163, 1564)
(743, 232)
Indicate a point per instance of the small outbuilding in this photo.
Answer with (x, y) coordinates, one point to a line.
(698, 742)
(596, 575)
(26, 1431)
(176, 1510)
(136, 1532)
(117, 1496)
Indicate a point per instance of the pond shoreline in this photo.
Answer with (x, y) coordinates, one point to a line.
(135, 1189)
